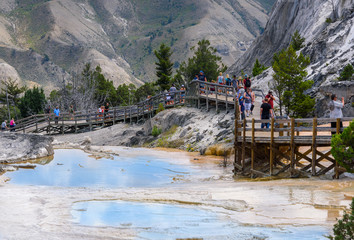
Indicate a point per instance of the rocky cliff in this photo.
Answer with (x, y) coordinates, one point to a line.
(19, 147)
(44, 41)
(330, 45)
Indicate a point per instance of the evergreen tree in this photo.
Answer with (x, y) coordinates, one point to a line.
(13, 91)
(105, 90)
(258, 68)
(204, 59)
(347, 73)
(148, 89)
(297, 41)
(32, 102)
(163, 67)
(289, 85)
(126, 94)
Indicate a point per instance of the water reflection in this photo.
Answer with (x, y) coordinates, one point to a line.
(74, 168)
(166, 221)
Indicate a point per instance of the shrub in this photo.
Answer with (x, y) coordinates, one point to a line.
(329, 20)
(344, 228)
(156, 131)
(160, 108)
(342, 148)
(347, 73)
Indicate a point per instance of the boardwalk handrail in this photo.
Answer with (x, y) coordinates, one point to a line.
(282, 141)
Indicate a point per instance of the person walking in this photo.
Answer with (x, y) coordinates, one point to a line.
(12, 125)
(266, 112)
(271, 98)
(71, 112)
(106, 109)
(248, 101)
(247, 82)
(56, 114)
(253, 100)
(335, 108)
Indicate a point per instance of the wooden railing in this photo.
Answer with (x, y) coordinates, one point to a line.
(92, 118)
(291, 134)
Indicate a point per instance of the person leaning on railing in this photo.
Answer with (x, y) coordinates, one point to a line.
(335, 108)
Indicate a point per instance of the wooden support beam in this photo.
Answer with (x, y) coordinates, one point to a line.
(336, 168)
(216, 97)
(271, 147)
(243, 145)
(252, 146)
(314, 147)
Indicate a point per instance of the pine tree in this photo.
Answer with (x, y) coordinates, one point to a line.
(347, 73)
(297, 41)
(163, 66)
(289, 85)
(258, 68)
(32, 102)
(204, 59)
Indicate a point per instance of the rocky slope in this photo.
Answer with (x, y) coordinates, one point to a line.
(329, 45)
(44, 41)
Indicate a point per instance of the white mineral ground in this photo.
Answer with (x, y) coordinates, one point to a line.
(39, 212)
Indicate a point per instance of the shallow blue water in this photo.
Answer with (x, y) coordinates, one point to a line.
(167, 221)
(74, 168)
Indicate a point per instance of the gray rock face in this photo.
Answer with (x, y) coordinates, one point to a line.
(18, 147)
(330, 46)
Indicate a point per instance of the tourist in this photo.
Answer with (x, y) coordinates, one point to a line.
(335, 108)
(71, 112)
(253, 100)
(106, 109)
(271, 98)
(4, 126)
(246, 82)
(234, 82)
(12, 125)
(56, 114)
(241, 107)
(202, 77)
(183, 93)
(240, 82)
(248, 101)
(227, 80)
(240, 91)
(266, 112)
(221, 79)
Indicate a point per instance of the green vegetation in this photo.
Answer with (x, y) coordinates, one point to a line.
(160, 108)
(344, 228)
(347, 73)
(205, 59)
(33, 102)
(258, 68)
(297, 41)
(289, 84)
(329, 20)
(343, 148)
(163, 67)
(156, 131)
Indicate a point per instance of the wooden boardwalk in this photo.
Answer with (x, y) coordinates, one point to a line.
(298, 146)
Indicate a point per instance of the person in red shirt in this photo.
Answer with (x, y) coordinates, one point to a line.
(271, 98)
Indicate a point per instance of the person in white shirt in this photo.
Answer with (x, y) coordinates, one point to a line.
(335, 108)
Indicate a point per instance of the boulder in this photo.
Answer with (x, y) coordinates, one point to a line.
(18, 147)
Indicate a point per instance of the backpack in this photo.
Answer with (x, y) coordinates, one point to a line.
(331, 105)
(248, 82)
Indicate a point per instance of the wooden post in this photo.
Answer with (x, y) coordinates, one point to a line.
(337, 131)
(90, 122)
(298, 132)
(236, 133)
(75, 118)
(252, 147)
(292, 145)
(130, 110)
(207, 98)
(36, 125)
(314, 134)
(271, 148)
(216, 97)
(114, 116)
(199, 93)
(62, 124)
(226, 96)
(125, 114)
(281, 133)
(243, 146)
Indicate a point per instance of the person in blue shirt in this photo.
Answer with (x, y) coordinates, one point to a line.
(242, 107)
(57, 114)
